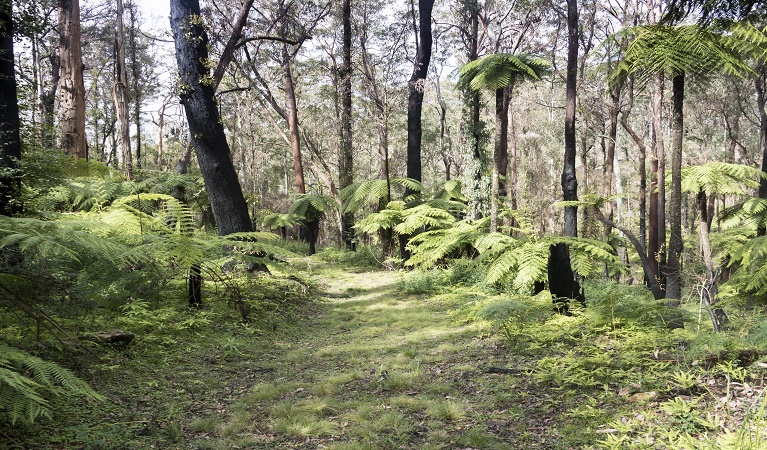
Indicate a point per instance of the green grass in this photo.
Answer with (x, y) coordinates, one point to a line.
(392, 360)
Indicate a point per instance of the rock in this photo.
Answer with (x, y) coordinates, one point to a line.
(643, 396)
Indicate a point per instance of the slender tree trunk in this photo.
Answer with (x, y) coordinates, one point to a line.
(657, 209)
(676, 245)
(709, 290)
(10, 138)
(120, 92)
(562, 280)
(295, 140)
(346, 160)
(72, 88)
(135, 85)
(761, 86)
(569, 178)
(500, 153)
(608, 173)
(474, 104)
(207, 132)
(416, 87)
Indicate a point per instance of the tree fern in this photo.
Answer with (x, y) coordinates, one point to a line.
(27, 383)
(429, 248)
(370, 193)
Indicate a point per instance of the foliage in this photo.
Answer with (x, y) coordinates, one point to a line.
(27, 384)
(499, 70)
(373, 192)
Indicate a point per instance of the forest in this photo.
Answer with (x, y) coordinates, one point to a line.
(470, 224)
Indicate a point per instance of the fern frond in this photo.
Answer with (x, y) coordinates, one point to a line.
(423, 216)
(26, 383)
(720, 178)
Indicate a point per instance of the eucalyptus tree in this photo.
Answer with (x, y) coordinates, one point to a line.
(71, 86)
(196, 91)
(121, 93)
(10, 138)
(346, 155)
(500, 72)
(678, 51)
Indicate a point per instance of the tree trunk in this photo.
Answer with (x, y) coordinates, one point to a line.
(295, 140)
(136, 83)
(676, 245)
(500, 153)
(656, 241)
(761, 87)
(569, 178)
(346, 160)
(120, 92)
(655, 288)
(207, 132)
(416, 86)
(709, 289)
(72, 88)
(10, 138)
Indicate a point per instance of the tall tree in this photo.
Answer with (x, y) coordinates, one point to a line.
(569, 179)
(205, 128)
(678, 51)
(10, 139)
(71, 86)
(120, 92)
(345, 159)
(499, 72)
(416, 86)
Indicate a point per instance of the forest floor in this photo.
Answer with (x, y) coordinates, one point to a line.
(373, 366)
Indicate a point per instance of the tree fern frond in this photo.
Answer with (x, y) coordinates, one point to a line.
(27, 381)
(423, 216)
(720, 178)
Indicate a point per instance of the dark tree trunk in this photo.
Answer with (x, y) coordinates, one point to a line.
(207, 133)
(500, 153)
(10, 139)
(194, 288)
(569, 179)
(676, 245)
(416, 87)
(562, 279)
(656, 240)
(761, 86)
(562, 284)
(346, 160)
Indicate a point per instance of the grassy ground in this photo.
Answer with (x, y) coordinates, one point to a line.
(389, 360)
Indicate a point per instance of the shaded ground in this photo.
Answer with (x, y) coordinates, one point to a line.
(379, 369)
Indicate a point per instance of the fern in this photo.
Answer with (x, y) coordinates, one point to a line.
(721, 178)
(311, 206)
(431, 247)
(421, 217)
(27, 383)
(370, 193)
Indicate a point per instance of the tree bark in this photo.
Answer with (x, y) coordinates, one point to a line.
(416, 86)
(569, 178)
(709, 289)
(72, 88)
(500, 153)
(295, 140)
(346, 159)
(207, 133)
(656, 242)
(10, 138)
(761, 87)
(676, 245)
(120, 92)
(652, 282)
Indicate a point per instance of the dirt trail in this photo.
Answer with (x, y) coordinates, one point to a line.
(382, 369)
